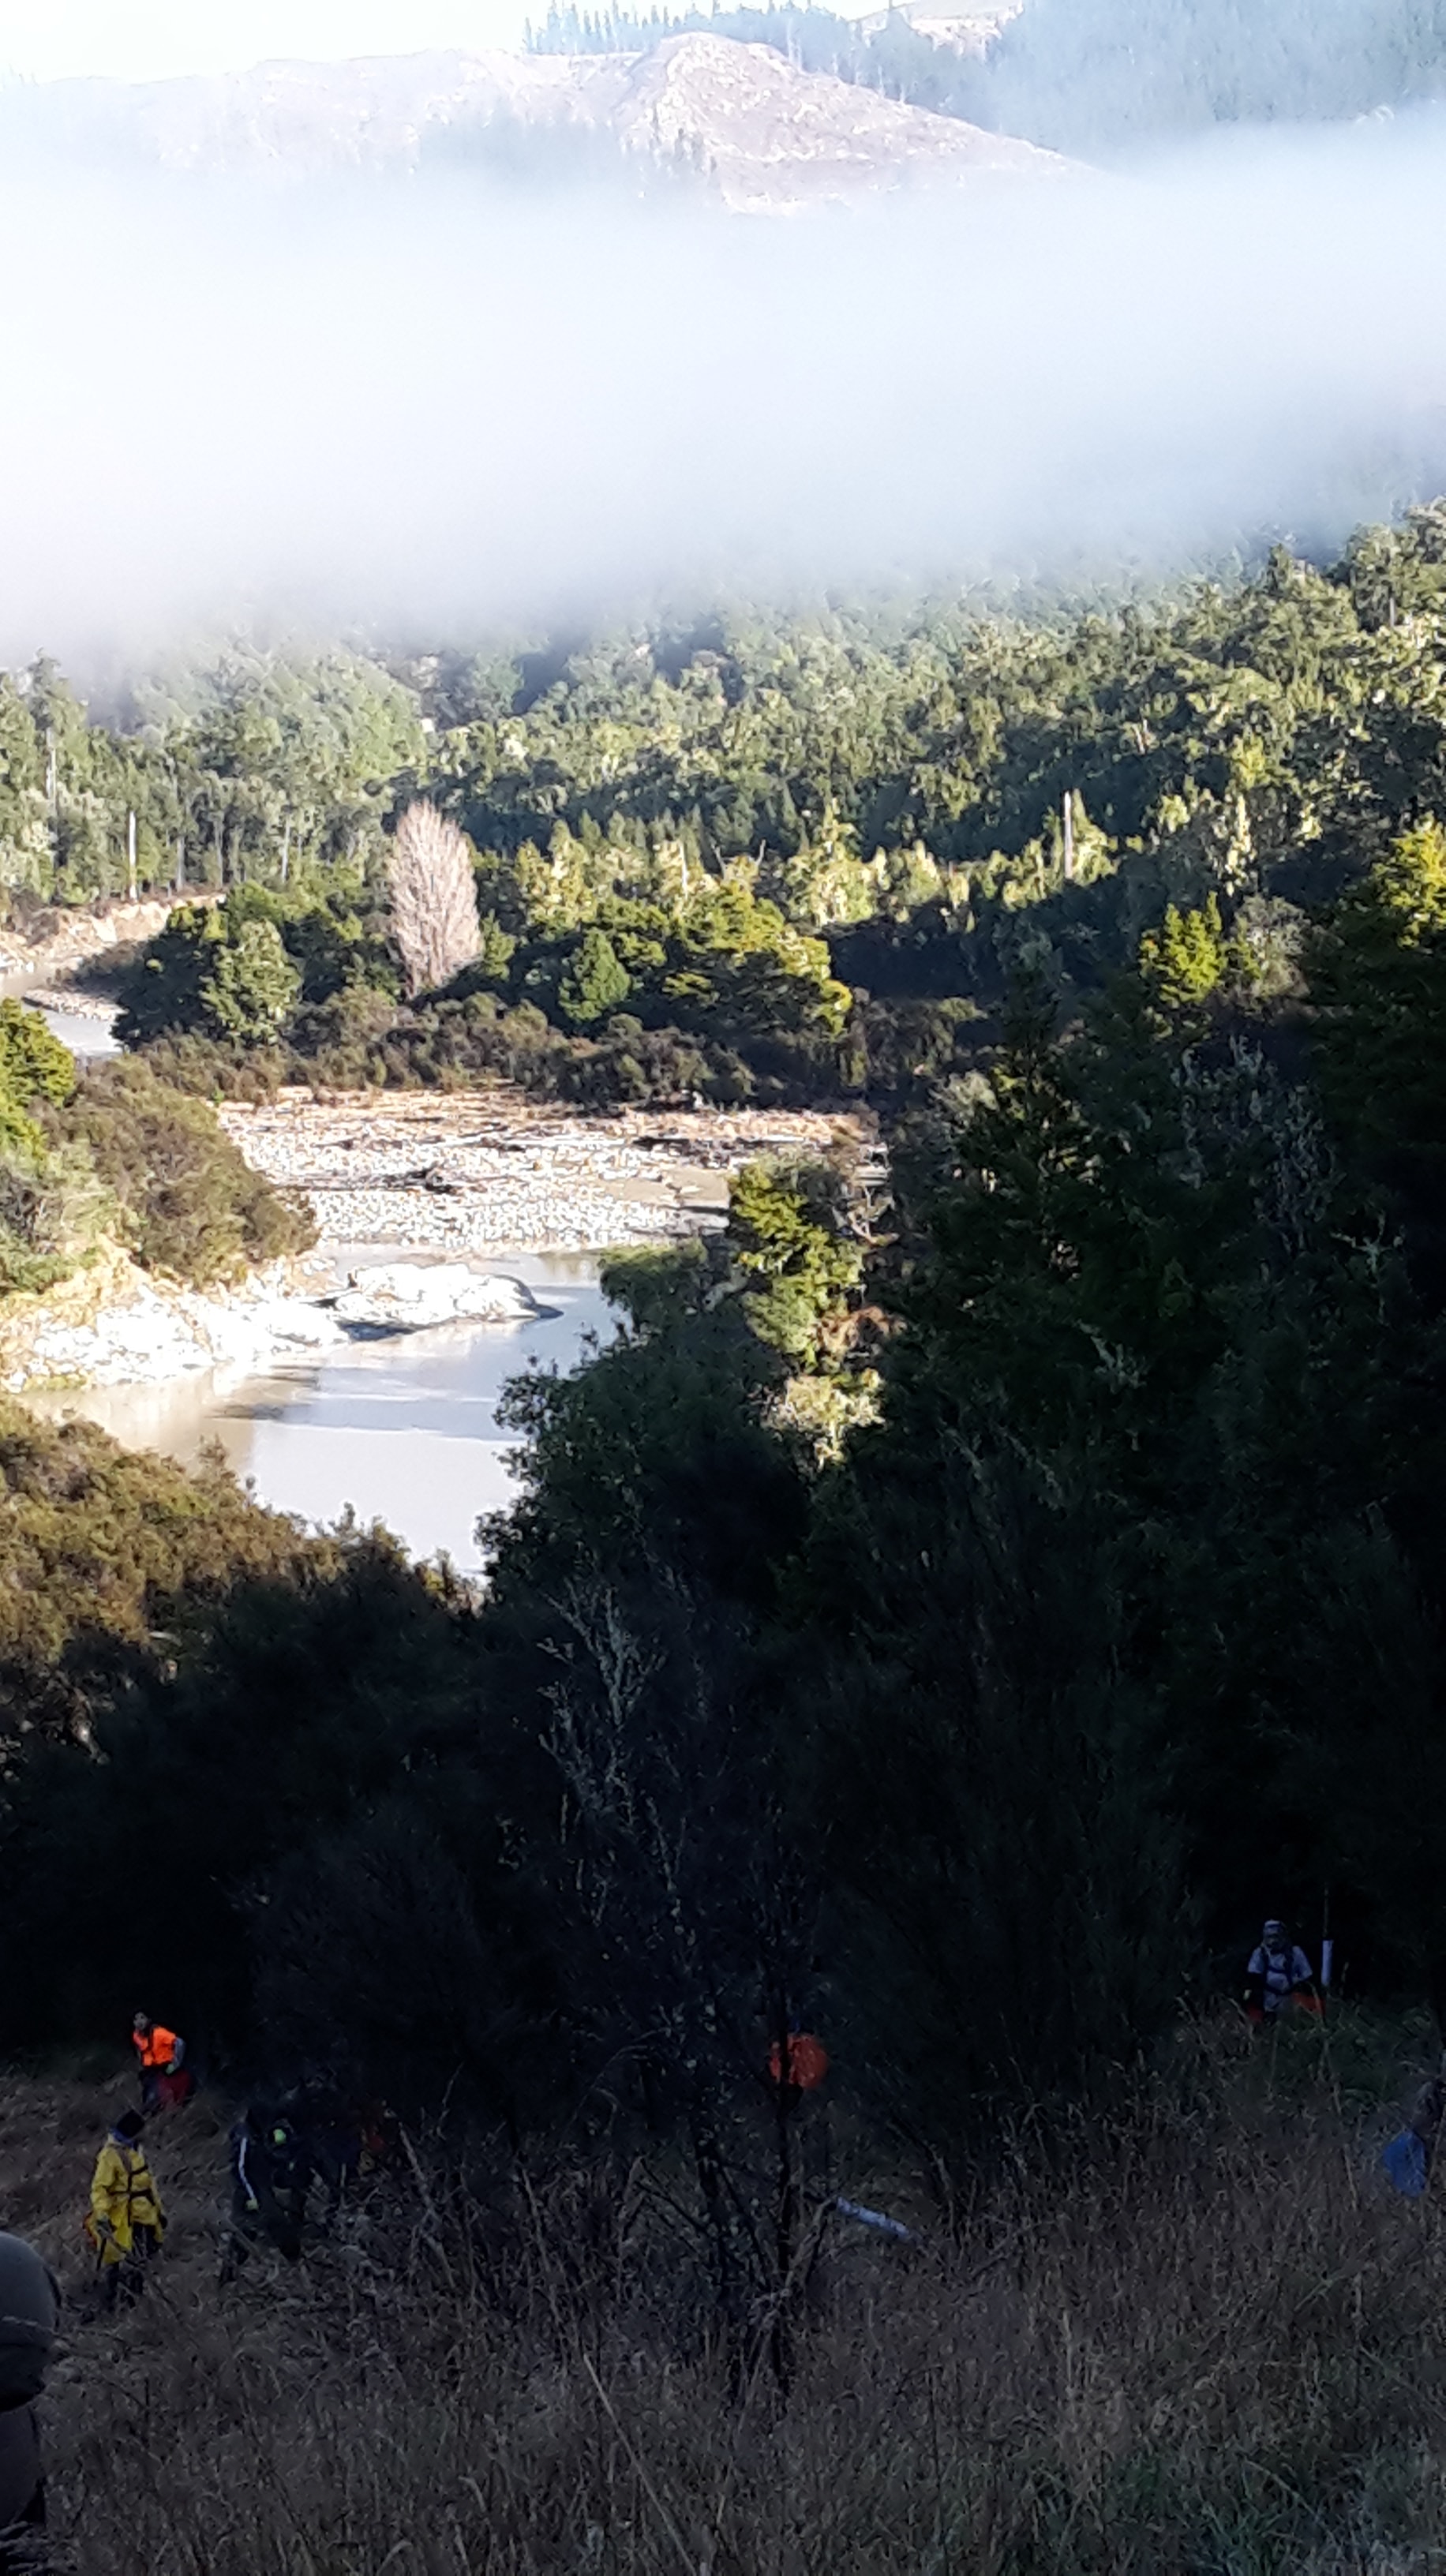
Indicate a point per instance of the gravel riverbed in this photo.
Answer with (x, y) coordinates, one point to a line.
(484, 1171)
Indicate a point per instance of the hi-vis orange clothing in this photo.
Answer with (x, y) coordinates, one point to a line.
(156, 2048)
(124, 2202)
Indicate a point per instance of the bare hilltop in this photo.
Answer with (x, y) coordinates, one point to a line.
(764, 135)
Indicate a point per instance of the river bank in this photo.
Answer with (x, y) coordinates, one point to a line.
(114, 1325)
(400, 1427)
(441, 1179)
(57, 943)
(494, 1171)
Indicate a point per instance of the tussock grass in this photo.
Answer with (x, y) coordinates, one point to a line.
(1206, 2342)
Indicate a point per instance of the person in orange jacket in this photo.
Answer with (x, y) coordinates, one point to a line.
(161, 2056)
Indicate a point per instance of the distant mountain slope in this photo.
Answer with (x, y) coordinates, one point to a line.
(770, 137)
(774, 137)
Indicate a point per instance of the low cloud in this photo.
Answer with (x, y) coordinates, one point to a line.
(430, 407)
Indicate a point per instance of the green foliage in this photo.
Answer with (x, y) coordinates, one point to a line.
(594, 982)
(1111, 1620)
(46, 1204)
(1378, 976)
(1378, 981)
(99, 1544)
(238, 972)
(1184, 962)
(798, 853)
(496, 949)
(118, 1149)
(33, 1063)
(784, 1229)
(53, 1208)
(253, 987)
(189, 1202)
(971, 1738)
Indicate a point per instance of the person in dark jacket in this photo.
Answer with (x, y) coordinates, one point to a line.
(271, 2172)
(330, 2125)
(1428, 2111)
(29, 2318)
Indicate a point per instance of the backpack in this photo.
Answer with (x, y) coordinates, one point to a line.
(1406, 2162)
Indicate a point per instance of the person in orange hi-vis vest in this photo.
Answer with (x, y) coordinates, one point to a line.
(160, 2053)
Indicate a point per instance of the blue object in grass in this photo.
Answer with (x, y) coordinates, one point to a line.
(1405, 2162)
(876, 2219)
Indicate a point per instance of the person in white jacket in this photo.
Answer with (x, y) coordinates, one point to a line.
(1278, 1970)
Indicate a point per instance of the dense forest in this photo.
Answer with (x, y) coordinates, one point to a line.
(947, 1625)
(948, 1635)
(770, 858)
(1095, 78)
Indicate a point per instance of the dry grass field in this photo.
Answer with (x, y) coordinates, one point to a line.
(1208, 2342)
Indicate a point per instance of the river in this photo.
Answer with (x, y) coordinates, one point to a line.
(404, 1430)
(84, 1032)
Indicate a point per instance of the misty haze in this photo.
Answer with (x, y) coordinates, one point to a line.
(421, 350)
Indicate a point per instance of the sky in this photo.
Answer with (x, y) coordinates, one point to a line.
(156, 39)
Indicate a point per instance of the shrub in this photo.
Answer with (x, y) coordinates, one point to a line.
(189, 1201)
(253, 987)
(594, 981)
(53, 1206)
(97, 1540)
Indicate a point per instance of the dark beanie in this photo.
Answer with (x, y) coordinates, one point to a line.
(129, 2125)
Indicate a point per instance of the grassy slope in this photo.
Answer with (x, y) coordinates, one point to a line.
(1218, 2349)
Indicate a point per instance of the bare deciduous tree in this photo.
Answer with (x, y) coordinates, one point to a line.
(434, 898)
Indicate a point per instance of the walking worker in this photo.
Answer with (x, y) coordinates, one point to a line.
(271, 2172)
(1279, 1974)
(125, 2222)
(162, 2061)
(1412, 2152)
(29, 2317)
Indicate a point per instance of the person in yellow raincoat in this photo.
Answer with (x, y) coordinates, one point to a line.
(125, 2222)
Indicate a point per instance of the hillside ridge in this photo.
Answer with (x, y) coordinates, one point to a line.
(769, 136)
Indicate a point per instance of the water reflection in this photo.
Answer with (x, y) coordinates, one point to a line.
(404, 1431)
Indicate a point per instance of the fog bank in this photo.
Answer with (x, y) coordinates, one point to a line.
(432, 406)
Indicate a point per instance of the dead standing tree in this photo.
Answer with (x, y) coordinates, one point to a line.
(699, 1921)
(434, 898)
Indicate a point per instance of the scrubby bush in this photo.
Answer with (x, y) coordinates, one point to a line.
(100, 1546)
(189, 1202)
(240, 972)
(50, 1202)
